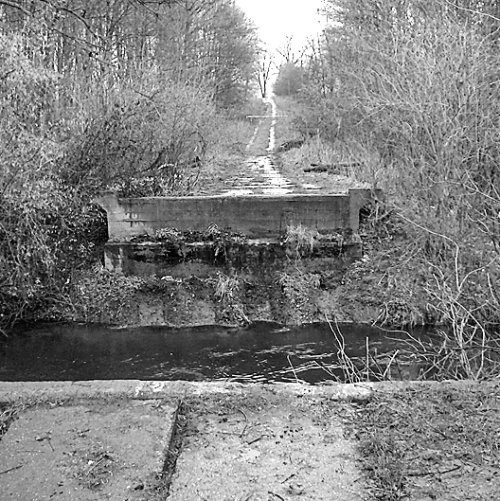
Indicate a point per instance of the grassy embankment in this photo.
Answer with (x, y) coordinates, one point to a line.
(409, 97)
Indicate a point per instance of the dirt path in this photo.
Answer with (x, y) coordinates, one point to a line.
(254, 173)
(264, 170)
(258, 174)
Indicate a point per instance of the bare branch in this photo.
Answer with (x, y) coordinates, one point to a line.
(75, 14)
(15, 6)
(472, 11)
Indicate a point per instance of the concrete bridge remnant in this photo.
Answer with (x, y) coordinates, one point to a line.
(262, 220)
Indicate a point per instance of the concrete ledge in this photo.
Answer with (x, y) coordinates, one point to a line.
(257, 216)
(161, 258)
(40, 392)
(87, 450)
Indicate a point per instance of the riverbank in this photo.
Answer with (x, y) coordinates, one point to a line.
(382, 274)
(302, 278)
(315, 279)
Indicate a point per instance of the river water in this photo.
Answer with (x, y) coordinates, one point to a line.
(260, 352)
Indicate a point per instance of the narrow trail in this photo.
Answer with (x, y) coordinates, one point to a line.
(261, 176)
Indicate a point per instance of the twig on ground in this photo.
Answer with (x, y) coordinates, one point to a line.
(246, 422)
(11, 469)
(293, 368)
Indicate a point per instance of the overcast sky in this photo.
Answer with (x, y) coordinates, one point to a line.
(278, 18)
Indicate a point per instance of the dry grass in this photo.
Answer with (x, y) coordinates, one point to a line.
(432, 442)
(226, 287)
(413, 93)
(301, 239)
(7, 415)
(94, 466)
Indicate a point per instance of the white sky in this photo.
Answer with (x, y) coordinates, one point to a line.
(278, 18)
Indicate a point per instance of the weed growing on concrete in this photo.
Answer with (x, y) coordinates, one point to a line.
(225, 287)
(301, 240)
(7, 415)
(226, 291)
(94, 467)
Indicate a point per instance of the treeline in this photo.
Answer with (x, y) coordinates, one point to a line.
(97, 94)
(411, 89)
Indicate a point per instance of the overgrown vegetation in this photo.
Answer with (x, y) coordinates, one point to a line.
(409, 91)
(8, 413)
(133, 96)
(431, 442)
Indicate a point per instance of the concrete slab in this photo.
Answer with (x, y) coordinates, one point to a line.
(109, 439)
(86, 451)
(96, 440)
(267, 446)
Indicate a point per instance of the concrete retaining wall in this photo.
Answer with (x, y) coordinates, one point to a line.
(146, 259)
(255, 216)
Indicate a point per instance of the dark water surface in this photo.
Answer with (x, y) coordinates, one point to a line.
(260, 352)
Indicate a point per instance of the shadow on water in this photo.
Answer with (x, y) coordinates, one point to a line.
(261, 352)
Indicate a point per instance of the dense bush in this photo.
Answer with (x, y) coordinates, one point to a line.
(144, 142)
(126, 101)
(411, 89)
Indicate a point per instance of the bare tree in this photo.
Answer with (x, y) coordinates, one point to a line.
(265, 65)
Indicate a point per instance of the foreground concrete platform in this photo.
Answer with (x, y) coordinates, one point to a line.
(29, 393)
(144, 440)
(267, 446)
(86, 451)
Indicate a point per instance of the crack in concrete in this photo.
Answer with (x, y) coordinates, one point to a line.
(174, 449)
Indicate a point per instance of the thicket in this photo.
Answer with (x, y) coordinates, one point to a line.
(103, 94)
(291, 79)
(411, 89)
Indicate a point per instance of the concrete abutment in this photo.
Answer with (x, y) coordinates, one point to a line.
(260, 223)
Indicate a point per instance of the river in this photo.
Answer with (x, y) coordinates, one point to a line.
(260, 352)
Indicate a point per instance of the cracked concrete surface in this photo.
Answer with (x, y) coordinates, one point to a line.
(110, 440)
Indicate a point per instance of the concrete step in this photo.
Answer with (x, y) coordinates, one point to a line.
(87, 450)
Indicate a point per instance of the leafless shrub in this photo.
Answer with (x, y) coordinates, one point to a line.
(414, 85)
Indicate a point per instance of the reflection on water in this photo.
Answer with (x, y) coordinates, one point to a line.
(260, 352)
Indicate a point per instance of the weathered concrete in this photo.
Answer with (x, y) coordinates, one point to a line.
(109, 440)
(260, 219)
(98, 440)
(162, 258)
(57, 391)
(267, 446)
(254, 216)
(87, 451)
